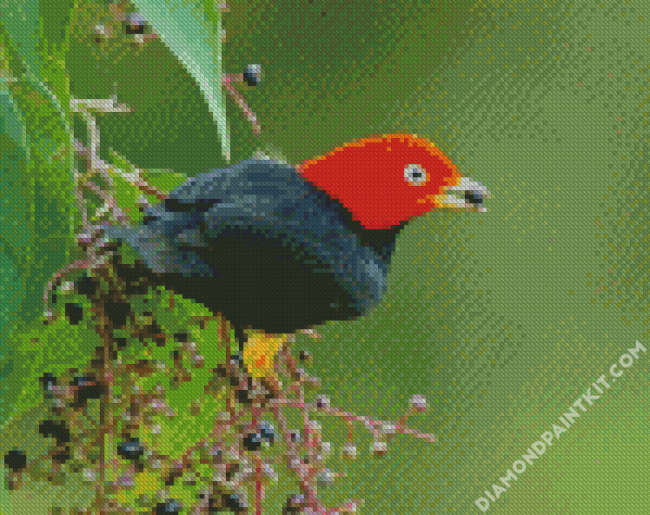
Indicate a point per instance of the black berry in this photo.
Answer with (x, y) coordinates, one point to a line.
(54, 429)
(117, 313)
(135, 24)
(74, 313)
(172, 506)
(16, 460)
(85, 388)
(86, 286)
(295, 504)
(253, 74)
(267, 431)
(131, 450)
(235, 502)
(253, 442)
(48, 383)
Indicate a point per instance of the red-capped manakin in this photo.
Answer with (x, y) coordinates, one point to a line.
(279, 248)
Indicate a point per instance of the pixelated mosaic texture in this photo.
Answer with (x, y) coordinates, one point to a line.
(516, 313)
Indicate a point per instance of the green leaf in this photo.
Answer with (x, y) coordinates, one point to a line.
(37, 349)
(12, 124)
(36, 196)
(20, 18)
(9, 287)
(192, 31)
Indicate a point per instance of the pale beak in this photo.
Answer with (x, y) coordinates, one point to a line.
(467, 195)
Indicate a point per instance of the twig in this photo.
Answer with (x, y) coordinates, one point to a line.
(226, 82)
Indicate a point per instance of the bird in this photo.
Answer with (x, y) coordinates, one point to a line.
(277, 249)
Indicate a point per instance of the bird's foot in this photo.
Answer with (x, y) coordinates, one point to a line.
(260, 352)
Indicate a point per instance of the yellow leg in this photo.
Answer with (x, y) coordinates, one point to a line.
(260, 352)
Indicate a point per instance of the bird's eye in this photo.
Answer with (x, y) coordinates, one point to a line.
(415, 175)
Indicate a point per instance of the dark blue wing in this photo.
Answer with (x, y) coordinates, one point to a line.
(259, 224)
(246, 189)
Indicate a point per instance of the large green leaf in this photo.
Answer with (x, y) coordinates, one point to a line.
(14, 142)
(36, 195)
(192, 31)
(20, 19)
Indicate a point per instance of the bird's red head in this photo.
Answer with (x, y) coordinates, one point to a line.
(385, 180)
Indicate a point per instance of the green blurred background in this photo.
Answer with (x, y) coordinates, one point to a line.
(501, 319)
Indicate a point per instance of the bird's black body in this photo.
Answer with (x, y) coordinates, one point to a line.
(263, 247)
